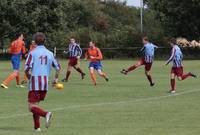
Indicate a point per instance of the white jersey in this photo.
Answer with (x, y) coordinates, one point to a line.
(40, 61)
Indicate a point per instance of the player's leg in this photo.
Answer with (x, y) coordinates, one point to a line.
(78, 69)
(14, 74)
(25, 80)
(34, 98)
(69, 69)
(92, 75)
(133, 67)
(173, 81)
(148, 74)
(11, 77)
(102, 74)
(182, 76)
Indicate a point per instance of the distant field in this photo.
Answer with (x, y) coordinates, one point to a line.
(124, 106)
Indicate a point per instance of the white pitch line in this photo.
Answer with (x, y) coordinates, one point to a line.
(107, 103)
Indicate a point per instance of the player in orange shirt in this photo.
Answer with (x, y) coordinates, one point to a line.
(32, 46)
(17, 47)
(94, 56)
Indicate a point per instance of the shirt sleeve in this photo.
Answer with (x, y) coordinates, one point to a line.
(29, 62)
(79, 50)
(172, 56)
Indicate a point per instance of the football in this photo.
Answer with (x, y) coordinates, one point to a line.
(59, 86)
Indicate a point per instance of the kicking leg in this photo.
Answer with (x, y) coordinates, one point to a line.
(125, 71)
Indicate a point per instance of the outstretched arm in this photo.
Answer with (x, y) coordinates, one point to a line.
(171, 57)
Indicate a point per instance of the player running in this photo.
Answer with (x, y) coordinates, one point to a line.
(17, 47)
(94, 55)
(177, 68)
(37, 68)
(31, 48)
(147, 60)
(75, 53)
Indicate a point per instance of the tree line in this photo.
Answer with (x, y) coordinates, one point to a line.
(109, 23)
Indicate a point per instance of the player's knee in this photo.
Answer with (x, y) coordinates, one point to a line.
(179, 78)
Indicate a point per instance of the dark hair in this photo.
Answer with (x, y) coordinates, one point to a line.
(18, 35)
(145, 38)
(39, 38)
(173, 40)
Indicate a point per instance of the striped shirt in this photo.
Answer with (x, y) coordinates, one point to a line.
(176, 57)
(40, 61)
(74, 50)
(149, 50)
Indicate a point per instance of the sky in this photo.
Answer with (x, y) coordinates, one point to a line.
(133, 2)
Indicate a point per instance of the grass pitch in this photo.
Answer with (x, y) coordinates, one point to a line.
(124, 106)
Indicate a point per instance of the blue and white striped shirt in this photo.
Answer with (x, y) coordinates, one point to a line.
(176, 57)
(74, 50)
(149, 50)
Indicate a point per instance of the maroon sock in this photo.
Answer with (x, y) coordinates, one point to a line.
(173, 83)
(79, 70)
(185, 76)
(132, 68)
(67, 75)
(36, 119)
(38, 111)
(150, 79)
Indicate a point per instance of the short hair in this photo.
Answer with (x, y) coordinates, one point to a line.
(18, 35)
(39, 38)
(145, 38)
(173, 40)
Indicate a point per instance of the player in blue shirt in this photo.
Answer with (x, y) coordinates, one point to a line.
(37, 69)
(177, 68)
(148, 51)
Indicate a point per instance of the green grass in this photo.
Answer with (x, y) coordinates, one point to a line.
(124, 106)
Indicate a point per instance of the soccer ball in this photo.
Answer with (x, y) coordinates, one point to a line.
(59, 86)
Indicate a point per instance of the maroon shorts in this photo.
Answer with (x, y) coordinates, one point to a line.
(36, 96)
(73, 61)
(147, 65)
(178, 71)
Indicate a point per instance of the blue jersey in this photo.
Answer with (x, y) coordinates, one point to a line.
(149, 51)
(40, 61)
(176, 56)
(74, 50)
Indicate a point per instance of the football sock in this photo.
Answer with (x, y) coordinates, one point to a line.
(36, 119)
(173, 83)
(67, 75)
(150, 79)
(131, 68)
(93, 78)
(18, 79)
(10, 78)
(185, 76)
(38, 111)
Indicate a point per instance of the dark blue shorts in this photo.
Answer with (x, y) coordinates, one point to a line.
(15, 60)
(96, 65)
